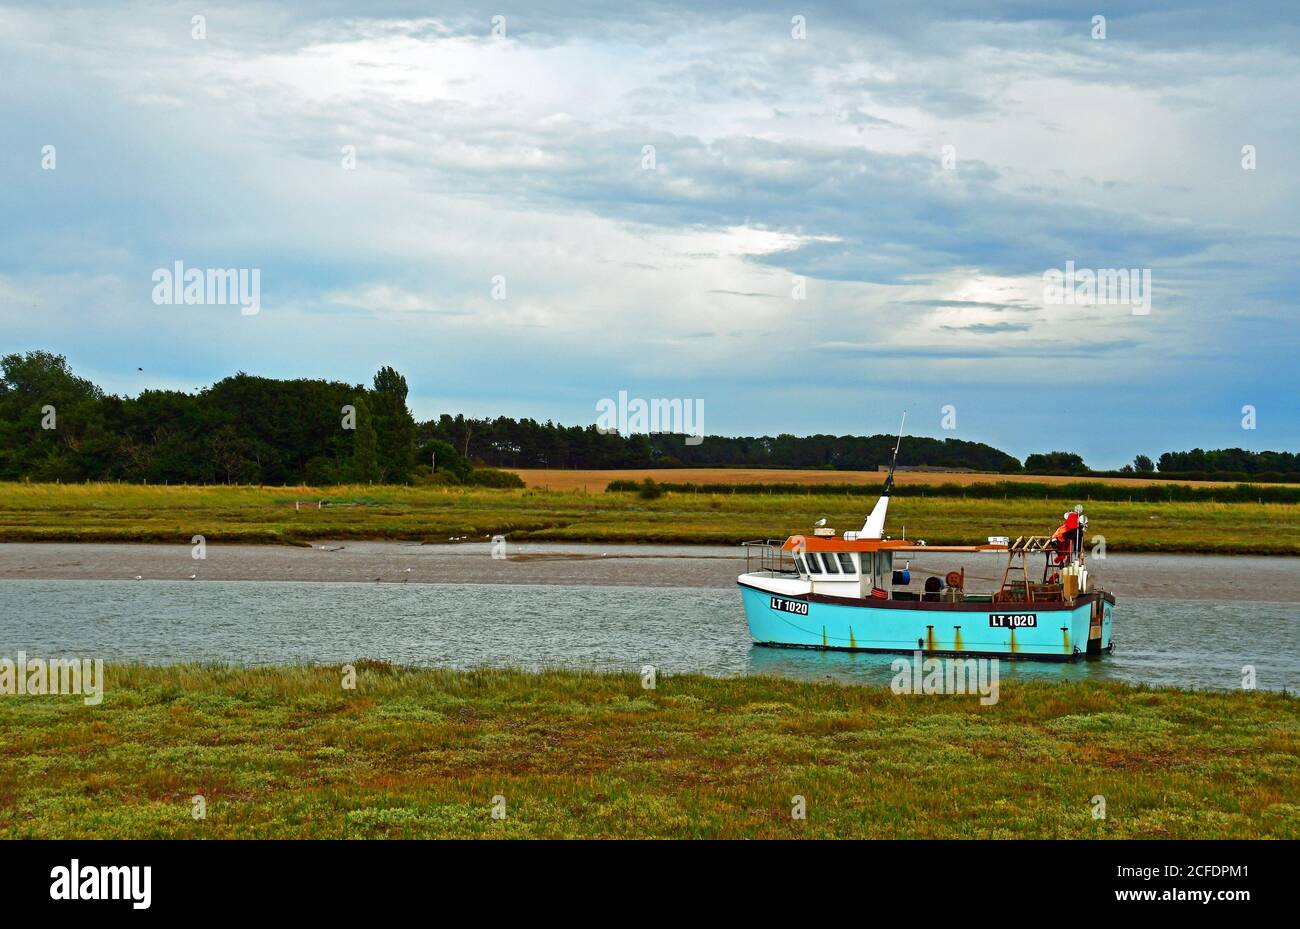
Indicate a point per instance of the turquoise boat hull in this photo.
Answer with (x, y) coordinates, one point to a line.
(1044, 631)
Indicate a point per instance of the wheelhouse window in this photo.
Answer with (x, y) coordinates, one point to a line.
(828, 559)
(814, 567)
(798, 564)
(846, 562)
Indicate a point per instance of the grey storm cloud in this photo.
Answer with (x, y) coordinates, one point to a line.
(773, 157)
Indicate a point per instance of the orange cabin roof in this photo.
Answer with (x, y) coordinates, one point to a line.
(812, 543)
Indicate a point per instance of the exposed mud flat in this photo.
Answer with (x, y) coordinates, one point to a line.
(382, 562)
(1210, 577)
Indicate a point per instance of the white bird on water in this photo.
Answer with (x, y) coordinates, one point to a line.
(139, 577)
(193, 576)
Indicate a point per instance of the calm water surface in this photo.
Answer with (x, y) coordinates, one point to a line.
(1185, 643)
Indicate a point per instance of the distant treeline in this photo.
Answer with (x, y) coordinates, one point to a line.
(245, 429)
(1224, 464)
(1229, 477)
(526, 443)
(1012, 490)
(1232, 460)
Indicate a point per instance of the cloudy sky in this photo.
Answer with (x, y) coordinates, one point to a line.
(808, 216)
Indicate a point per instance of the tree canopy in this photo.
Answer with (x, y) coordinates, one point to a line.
(55, 425)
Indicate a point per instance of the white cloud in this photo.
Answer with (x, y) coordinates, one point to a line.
(522, 157)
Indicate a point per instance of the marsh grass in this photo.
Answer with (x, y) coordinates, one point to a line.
(288, 753)
(133, 513)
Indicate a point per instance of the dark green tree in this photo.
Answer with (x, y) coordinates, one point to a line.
(44, 411)
(365, 447)
(394, 426)
(1055, 463)
(443, 458)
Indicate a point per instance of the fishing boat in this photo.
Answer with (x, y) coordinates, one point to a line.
(855, 592)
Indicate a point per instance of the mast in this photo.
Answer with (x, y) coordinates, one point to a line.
(889, 479)
(874, 527)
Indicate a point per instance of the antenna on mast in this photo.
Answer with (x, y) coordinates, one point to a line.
(874, 527)
(889, 480)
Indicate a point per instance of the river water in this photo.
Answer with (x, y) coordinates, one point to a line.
(573, 607)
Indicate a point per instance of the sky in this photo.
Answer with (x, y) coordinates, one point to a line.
(803, 217)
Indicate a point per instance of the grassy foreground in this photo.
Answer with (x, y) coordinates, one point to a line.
(287, 752)
(131, 513)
